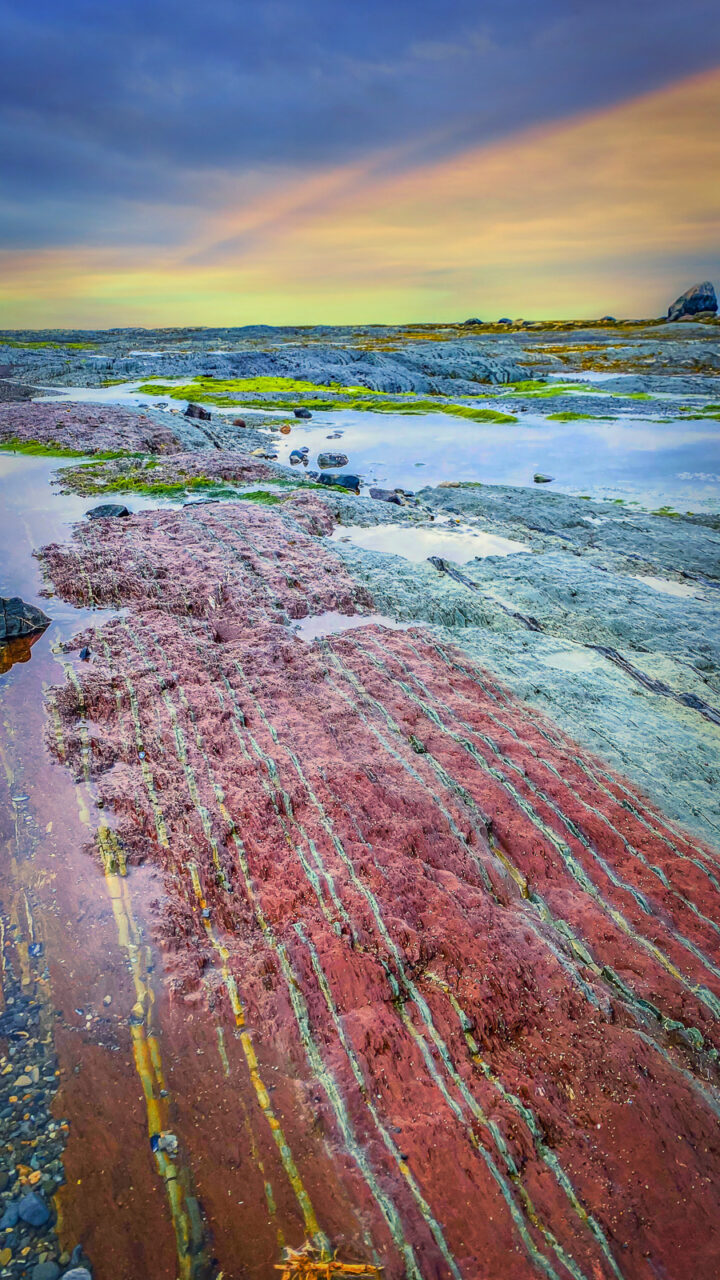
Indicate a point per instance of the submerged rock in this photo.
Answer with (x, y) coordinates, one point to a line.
(197, 411)
(33, 1210)
(326, 460)
(20, 619)
(107, 509)
(701, 297)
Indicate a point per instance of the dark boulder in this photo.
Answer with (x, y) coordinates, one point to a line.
(346, 480)
(302, 413)
(197, 411)
(326, 460)
(387, 495)
(20, 619)
(107, 509)
(701, 297)
(473, 320)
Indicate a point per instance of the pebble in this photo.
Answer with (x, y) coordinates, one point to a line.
(33, 1210)
(77, 1273)
(46, 1271)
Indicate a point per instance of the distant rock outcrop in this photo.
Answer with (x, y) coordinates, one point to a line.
(701, 297)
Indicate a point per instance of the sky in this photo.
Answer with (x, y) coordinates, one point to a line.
(166, 162)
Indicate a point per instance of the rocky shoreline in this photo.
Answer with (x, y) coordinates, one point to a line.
(428, 906)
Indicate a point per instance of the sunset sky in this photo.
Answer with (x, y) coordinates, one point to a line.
(239, 162)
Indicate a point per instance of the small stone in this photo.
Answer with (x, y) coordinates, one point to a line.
(77, 1273)
(5, 1256)
(46, 1271)
(302, 413)
(197, 411)
(33, 1210)
(238, 422)
(539, 478)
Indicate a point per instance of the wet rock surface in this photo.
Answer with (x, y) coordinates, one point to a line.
(484, 958)
(428, 915)
(87, 427)
(19, 620)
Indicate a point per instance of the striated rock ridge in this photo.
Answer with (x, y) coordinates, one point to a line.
(481, 968)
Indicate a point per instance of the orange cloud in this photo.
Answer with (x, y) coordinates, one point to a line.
(610, 211)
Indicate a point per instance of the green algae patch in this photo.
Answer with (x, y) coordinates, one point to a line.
(209, 388)
(225, 395)
(633, 395)
(264, 496)
(40, 449)
(581, 417)
(536, 389)
(55, 346)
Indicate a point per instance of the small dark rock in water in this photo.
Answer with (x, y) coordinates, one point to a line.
(33, 1210)
(10, 1218)
(238, 422)
(326, 460)
(539, 478)
(387, 495)
(197, 411)
(302, 413)
(701, 297)
(85, 653)
(107, 509)
(20, 619)
(345, 479)
(298, 455)
(46, 1271)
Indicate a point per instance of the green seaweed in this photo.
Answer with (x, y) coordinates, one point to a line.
(579, 417)
(39, 449)
(56, 346)
(358, 398)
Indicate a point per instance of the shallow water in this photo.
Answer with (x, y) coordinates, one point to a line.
(675, 464)
(417, 543)
(669, 587)
(333, 623)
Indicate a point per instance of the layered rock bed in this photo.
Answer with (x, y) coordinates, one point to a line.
(466, 973)
(84, 428)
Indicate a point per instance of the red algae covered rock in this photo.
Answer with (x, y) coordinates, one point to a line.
(92, 428)
(479, 971)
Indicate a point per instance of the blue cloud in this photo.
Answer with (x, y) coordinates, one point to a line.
(107, 110)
